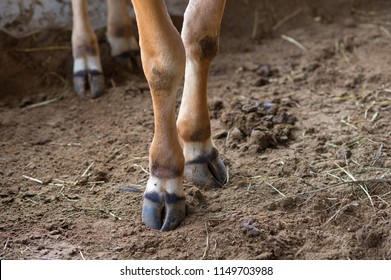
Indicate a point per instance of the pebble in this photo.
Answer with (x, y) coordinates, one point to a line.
(250, 229)
(236, 134)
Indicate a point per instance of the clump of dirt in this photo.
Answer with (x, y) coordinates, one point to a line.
(256, 126)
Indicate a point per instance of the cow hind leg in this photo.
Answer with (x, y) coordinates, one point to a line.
(87, 69)
(120, 35)
(200, 35)
(163, 60)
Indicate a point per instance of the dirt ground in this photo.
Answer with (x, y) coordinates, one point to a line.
(301, 115)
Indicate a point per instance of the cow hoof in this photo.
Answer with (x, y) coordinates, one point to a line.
(88, 79)
(207, 170)
(89, 83)
(125, 51)
(162, 210)
(130, 60)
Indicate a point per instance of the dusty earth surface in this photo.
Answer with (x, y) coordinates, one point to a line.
(301, 120)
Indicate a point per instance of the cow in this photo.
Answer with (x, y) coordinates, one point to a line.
(182, 146)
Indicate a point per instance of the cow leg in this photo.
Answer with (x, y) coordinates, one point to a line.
(120, 34)
(163, 60)
(87, 69)
(200, 34)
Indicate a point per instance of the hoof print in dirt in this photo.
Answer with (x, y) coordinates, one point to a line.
(369, 237)
(194, 200)
(256, 126)
(195, 197)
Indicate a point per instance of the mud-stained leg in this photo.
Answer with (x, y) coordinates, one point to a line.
(87, 69)
(120, 35)
(200, 34)
(163, 59)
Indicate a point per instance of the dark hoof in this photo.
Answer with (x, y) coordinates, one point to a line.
(89, 84)
(163, 211)
(130, 60)
(208, 171)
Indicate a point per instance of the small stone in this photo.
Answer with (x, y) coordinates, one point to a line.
(265, 70)
(236, 134)
(250, 229)
(215, 207)
(260, 138)
(265, 256)
(55, 232)
(267, 105)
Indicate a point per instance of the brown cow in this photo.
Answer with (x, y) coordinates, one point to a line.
(180, 147)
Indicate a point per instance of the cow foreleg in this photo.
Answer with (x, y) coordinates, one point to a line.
(163, 59)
